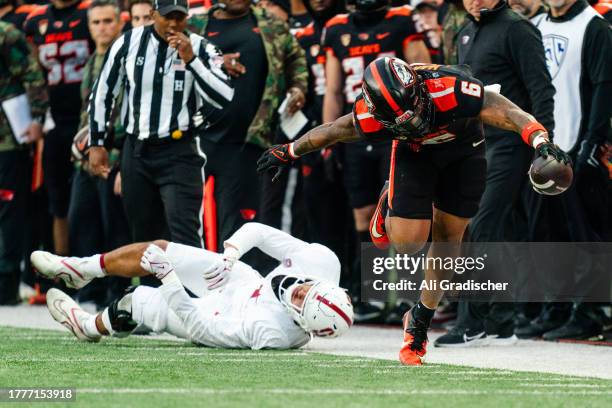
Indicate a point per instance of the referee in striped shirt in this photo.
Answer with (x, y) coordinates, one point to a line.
(167, 78)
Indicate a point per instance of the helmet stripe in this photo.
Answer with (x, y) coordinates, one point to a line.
(334, 308)
(385, 91)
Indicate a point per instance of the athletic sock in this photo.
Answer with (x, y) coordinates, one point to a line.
(90, 328)
(107, 322)
(422, 313)
(92, 266)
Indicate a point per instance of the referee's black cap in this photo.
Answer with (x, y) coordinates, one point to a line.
(165, 7)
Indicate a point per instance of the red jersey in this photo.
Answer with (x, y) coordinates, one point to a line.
(457, 101)
(357, 44)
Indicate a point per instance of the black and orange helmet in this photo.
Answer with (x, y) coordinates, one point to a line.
(396, 96)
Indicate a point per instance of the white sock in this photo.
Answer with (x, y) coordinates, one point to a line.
(106, 322)
(90, 328)
(92, 266)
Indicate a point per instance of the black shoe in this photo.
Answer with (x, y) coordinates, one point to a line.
(365, 312)
(395, 315)
(521, 320)
(585, 323)
(501, 334)
(462, 337)
(552, 317)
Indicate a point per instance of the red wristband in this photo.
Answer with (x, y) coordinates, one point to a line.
(529, 129)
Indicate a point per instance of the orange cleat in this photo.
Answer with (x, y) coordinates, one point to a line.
(415, 341)
(377, 223)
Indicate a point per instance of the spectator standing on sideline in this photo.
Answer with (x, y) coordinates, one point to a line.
(502, 48)
(63, 45)
(266, 63)
(19, 74)
(93, 198)
(578, 44)
(140, 13)
(534, 10)
(425, 17)
(169, 75)
(453, 21)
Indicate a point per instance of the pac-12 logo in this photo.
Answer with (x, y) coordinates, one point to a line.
(555, 48)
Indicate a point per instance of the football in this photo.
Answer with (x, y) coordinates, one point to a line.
(550, 177)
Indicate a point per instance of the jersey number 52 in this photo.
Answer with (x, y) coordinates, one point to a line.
(64, 62)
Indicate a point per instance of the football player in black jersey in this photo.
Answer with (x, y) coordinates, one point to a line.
(434, 115)
(351, 42)
(60, 35)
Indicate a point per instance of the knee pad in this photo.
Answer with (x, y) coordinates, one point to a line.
(119, 315)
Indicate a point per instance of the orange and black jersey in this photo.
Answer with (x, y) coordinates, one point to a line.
(457, 101)
(18, 16)
(309, 38)
(64, 46)
(356, 44)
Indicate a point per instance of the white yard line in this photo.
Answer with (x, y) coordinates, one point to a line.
(380, 343)
(335, 391)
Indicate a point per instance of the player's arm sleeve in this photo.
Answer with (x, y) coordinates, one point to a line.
(527, 55)
(23, 65)
(212, 84)
(106, 89)
(296, 70)
(276, 243)
(598, 37)
(208, 331)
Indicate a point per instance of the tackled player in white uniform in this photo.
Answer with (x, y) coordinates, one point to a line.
(235, 306)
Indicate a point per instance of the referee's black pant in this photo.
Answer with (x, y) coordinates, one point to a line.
(162, 182)
(15, 177)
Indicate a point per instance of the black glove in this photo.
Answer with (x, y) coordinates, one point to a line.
(549, 149)
(277, 156)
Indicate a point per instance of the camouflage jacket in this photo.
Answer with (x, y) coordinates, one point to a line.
(453, 21)
(286, 69)
(19, 73)
(90, 75)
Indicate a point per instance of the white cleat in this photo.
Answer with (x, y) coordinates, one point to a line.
(52, 266)
(66, 312)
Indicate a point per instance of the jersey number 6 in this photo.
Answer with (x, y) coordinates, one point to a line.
(470, 88)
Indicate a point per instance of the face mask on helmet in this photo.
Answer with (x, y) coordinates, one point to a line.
(326, 310)
(397, 98)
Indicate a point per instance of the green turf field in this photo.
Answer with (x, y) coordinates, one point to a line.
(141, 372)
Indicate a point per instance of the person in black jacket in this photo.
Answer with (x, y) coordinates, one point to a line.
(502, 48)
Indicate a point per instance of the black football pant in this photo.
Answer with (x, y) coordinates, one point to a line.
(162, 182)
(97, 224)
(14, 190)
(499, 219)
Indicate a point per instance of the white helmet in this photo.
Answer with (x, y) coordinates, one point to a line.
(327, 310)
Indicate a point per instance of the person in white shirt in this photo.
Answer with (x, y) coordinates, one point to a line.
(235, 306)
